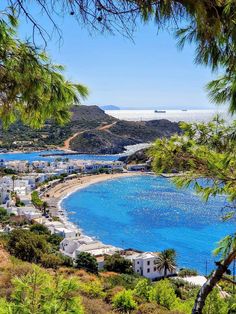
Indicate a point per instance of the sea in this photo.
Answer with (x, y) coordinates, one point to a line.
(149, 213)
(192, 115)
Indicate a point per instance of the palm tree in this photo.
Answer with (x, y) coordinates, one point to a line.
(14, 177)
(166, 261)
(44, 207)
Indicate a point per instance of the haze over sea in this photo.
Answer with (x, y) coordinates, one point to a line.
(192, 115)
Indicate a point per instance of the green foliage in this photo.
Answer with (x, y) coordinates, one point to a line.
(93, 289)
(118, 263)
(86, 261)
(32, 87)
(143, 289)
(39, 229)
(164, 294)
(215, 304)
(166, 261)
(123, 280)
(4, 216)
(36, 199)
(27, 245)
(185, 272)
(39, 292)
(50, 260)
(124, 301)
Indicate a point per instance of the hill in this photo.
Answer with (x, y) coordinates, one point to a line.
(90, 130)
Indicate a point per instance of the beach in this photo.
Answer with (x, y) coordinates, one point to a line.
(55, 195)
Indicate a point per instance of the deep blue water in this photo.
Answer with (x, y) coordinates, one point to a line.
(34, 156)
(149, 213)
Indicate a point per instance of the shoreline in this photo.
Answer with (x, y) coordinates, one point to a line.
(63, 190)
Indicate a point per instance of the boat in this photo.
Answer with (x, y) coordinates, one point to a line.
(184, 110)
(160, 111)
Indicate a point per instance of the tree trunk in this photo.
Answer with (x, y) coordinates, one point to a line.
(211, 283)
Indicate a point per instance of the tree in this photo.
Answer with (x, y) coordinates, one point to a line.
(118, 263)
(166, 261)
(51, 260)
(27, 245)
(124, 301)
(4, 216)
(14, 177)
(32, 88)
(39, 292)
(204, 151)
(39, 229)
(86, 261)
(143, 289)
(163, 293)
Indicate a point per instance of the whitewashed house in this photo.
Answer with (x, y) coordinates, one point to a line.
(144, 264)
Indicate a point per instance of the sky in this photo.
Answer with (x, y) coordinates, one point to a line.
(148, 72)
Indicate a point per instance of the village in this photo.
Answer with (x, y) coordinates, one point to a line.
(50, 182)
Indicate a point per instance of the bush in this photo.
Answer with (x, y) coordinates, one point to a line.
(92, 289)
(39, 229)
(27, 245)
(124, 280)
(3, 214)
(86, 261)
(51, 261)
(143, 289)
(118, 264)
(124, 301)
(164, 294)
(40, 292)
(185, 272)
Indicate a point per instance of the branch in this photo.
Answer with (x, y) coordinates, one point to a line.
(229, 280)
(212, 281)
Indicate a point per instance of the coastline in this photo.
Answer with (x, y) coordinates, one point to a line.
(63, 190)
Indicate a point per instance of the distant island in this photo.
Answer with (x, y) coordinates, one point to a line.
(109, 107)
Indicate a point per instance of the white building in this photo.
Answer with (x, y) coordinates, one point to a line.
(145, 265)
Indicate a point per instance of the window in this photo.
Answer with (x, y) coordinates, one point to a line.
(148, 270)
(148, 262)
(137, 262)
(137, 270)
(154, 269)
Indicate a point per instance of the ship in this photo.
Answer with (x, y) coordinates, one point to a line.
(160, 111)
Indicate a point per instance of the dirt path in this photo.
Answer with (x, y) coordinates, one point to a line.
(66, 145)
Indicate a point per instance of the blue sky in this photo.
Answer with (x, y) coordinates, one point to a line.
(149, 72)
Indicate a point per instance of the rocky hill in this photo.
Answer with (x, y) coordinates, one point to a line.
(90, 130)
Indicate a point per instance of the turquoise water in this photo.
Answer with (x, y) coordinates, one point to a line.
(35, 156)
(149, 213)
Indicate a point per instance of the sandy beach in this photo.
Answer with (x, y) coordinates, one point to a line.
(55, 195)
(63, 189)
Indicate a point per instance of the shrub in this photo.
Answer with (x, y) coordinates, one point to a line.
(3, 214)
(92, 289)
(118, 264)
(124, 280)
(51, 261)
(86, 261)
(44, 293)
(27, 245)
(39, 229)
(164, 294)
(142, 289)
(124, 301)
(184, 272)
(215, 304)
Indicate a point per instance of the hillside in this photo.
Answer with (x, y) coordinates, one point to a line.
(90, 130)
